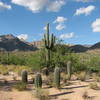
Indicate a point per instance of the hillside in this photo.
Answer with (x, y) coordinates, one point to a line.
(95, 46)
(78, 48)
(12, 43)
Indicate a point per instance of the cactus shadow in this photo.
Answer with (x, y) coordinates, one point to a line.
(75, 87)
(60, 94)
(10, 84)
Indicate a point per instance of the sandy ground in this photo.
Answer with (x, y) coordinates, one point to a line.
(71, 92)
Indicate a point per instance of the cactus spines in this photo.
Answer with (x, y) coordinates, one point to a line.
(24, 76)
(38, 80)
(57, 77)
(69, 69)
(49, 41)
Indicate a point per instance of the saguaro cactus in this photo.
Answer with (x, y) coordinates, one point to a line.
(38, 80)
(69, 69)
(49, 42)
(57, 77)
(24, 76)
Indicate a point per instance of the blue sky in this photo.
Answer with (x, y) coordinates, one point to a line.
(74, 21)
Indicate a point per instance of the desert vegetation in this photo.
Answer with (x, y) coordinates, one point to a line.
(53, 72)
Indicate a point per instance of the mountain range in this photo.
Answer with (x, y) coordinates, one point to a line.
(84, 48)
(12, 43)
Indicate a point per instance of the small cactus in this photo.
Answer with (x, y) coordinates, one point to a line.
(38, 80)
(69, 69)
(24, 76)
(57, 77)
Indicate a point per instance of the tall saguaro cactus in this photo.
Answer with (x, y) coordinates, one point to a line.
(57, 77)
(49, 41)
(69, 69)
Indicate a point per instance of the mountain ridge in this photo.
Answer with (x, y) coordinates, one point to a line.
(11, 43)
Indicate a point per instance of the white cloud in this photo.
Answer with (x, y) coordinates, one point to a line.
(56, 5)
(85, 0)
(4, 6)
(60, 19)
(60, 23)
(67, 36)
(44, 28)
(33, 5)
(38, 5)
(84, 10)
(23, 36)
(60, 27)
(96, 25)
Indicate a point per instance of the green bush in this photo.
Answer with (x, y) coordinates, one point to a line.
(59, 57)
(21, 86)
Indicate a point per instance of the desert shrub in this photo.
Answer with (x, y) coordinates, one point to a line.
(64, 77)
(60, 55)
(82, 76)
(65, 80)
(94, 63)
(30, 59)
(94, 86)
(42, 94)
(85, 95)
(96, 77)
(14, 78)
(5, 69)
(21, 86)
(50, 80)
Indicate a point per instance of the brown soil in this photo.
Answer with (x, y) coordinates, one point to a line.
(74, 91)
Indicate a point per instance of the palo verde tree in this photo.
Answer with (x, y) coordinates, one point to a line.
(49, 42)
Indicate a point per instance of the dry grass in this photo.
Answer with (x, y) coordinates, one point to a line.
(94, 86)
(42, 94)
(20, 86)
(5, 69)
(82, 76)
(85, 95)
(96, 77)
